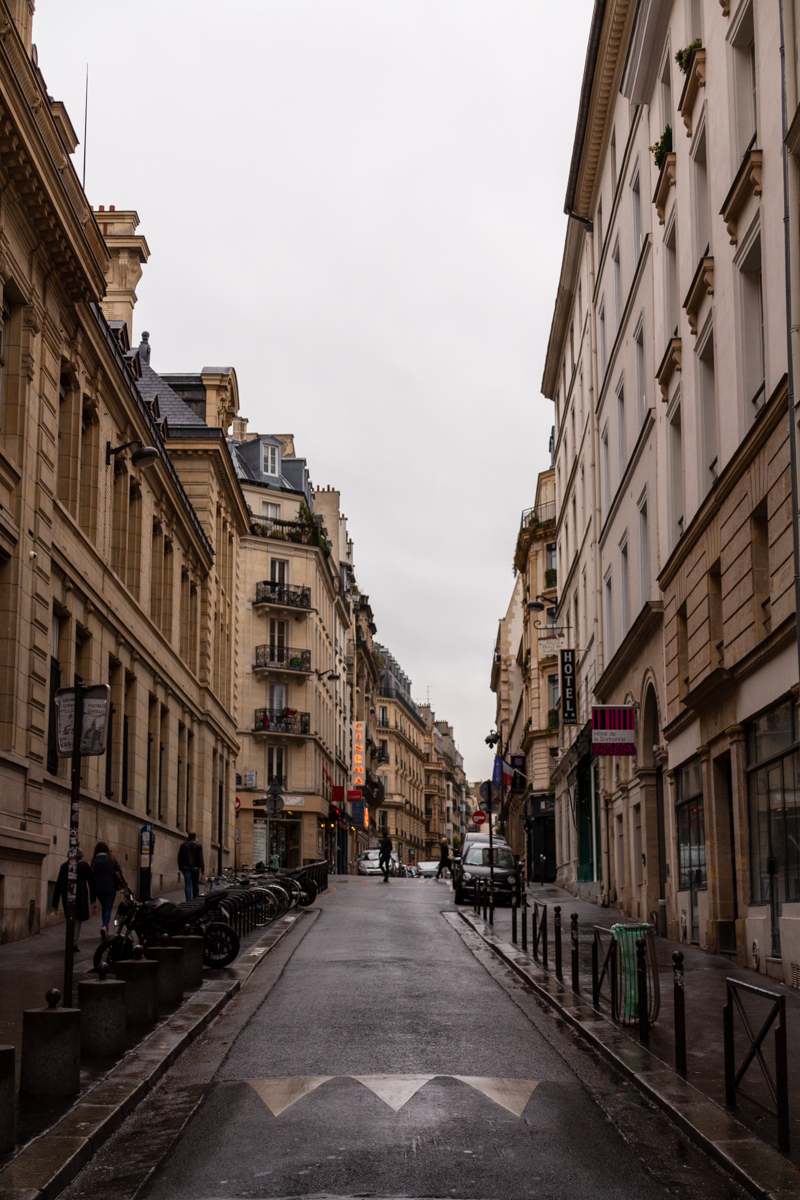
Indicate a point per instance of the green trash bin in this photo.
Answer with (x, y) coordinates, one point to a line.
(626, 936)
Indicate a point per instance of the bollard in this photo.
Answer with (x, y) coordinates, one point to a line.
(102, 1005)
(8, 1132)
(679, 1005)
(641, 980)
(491, 904)
(51, 1050)
(525, 921)
(514, 919)
(534, 941)
(557, 939)
(140, 976)
(576, 983)
(595, 974)
(192, 946)
(170, 973)
(485, 896)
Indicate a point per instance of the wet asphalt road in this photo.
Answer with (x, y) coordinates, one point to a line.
(383, 985)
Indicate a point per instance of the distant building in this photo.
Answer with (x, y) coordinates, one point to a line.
(401, 736)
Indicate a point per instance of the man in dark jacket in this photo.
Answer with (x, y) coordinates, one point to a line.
(444, 858)
(84, 892)
(385, 856)
(190, 861)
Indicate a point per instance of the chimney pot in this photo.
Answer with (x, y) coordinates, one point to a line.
(102, 208)
(112, 208)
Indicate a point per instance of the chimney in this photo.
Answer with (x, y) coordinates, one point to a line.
(240, 429)
(128, 252)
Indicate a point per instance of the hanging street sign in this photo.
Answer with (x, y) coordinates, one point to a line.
(613, 730)
(94, 727)
(569, 706)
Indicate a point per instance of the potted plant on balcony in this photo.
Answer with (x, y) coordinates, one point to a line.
(552, 719)
(662, 147)
(684, 57)
(550, 577)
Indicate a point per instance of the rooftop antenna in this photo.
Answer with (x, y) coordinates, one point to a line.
(85, 125)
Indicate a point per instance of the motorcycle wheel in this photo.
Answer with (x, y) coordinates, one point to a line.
(308, 892)
(112, 949)
(221, 945)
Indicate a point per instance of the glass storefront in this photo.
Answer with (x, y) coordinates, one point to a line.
(283, 852)
(773, 770)
(691, 839)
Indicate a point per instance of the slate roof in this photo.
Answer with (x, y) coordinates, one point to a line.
(170, 404)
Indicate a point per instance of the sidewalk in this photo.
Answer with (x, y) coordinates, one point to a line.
(705, 995)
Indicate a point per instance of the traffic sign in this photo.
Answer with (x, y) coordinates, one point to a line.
(488, 791)
(478, 818)
(274, 806)
(237, 804)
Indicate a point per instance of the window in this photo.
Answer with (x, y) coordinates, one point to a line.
(598, 225)
(270, 459)
(644, 548)
(55, 684)
(682, 650)
(276, 765)
(691, 840)
(273, 511)
(383, 716)
(708, 411)
(277, 696)
(620, 852)
(751, 325)
(636, 215)
(601, 339)
(278, 571)
(759, 549)
(671, 299)
(676, 473)
(641, 378)
(715, 626)
(606, 470)
(695, 20)
(609, 615)
(584, 589)
(89, 466)
(613, 158)
(624, 585)
(700, 189)
(552, 691)
(617, 286)
(550, 556)
(744, 80)
(665, 90)
(622, 444)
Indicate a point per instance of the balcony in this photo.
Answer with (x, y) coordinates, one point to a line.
(289, 531)
(282, 658)
(541, 515)
(282, 720)
(283, 595)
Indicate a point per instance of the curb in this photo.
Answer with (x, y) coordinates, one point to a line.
(758, 1167)
(50, 1162)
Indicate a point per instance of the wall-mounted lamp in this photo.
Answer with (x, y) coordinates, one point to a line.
(328, 675)
(144, 457)
(540, 604)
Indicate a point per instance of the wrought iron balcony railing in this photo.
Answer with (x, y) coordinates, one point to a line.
(539, 515)
(283, 658)
(287, 594)
(281, 720)
(286, 531)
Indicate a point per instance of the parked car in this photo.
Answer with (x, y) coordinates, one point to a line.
(427, 870)
(368, 863)
(474, 866)
(481, 839)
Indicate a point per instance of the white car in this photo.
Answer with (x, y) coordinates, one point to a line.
(368, 863)
(427, 870)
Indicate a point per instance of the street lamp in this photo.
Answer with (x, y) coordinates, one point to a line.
(144, 457)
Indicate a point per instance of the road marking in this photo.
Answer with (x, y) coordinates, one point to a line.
(280, 1094)
(512, 1094)
(394, 1090)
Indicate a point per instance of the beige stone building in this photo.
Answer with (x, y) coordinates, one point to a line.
(118, 574)
(294, 702)
(365, 678)
(667, 365)
(401, 738)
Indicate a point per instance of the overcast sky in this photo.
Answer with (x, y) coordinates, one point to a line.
(358, 205)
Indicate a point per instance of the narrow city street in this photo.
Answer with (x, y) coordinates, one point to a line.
(382, 1052)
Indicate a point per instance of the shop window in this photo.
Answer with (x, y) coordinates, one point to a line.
(691, 840)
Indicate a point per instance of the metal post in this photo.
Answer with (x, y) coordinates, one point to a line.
(595, 974)
(525, 919)
(491, 902)
(514, 919)
(782, 1077)
(641, 980)
(485, 900)
(72, 869)
(613, 968)
(544, 939)
(576, 985)
(534, 927)
(557, 937)
(679, 1006)
(727, 1038)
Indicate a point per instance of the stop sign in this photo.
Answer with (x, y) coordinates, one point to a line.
(478, 818)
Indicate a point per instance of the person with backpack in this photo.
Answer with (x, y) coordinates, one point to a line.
(84, 892)
(108, 880)
(190, 862)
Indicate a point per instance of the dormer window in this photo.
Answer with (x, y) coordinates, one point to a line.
(270, 461)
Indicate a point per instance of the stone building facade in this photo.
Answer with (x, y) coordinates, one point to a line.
(100, 560)
(401, 736)
(667, 366)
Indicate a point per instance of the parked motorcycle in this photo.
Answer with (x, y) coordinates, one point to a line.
(144, 922)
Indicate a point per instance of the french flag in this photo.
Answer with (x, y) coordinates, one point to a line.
(503, 773)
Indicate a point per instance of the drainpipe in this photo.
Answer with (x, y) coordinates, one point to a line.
(791, 203)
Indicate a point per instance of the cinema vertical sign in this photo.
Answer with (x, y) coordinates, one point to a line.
(359, 772)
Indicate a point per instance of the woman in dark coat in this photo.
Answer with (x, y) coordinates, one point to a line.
(108, 879)
(85, 892)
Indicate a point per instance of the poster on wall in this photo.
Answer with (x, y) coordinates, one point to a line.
(613, 730)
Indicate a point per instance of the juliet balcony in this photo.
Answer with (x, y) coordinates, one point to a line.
(282, 658)
(283, 595)
(282, 721)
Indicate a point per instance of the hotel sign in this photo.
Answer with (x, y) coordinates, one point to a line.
(613, 730)
(359, 755)
(569, 707)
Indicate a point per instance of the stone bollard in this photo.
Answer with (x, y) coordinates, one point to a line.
(102, 1004)
(140, 976)
(8, 1133)
(170, 973)
(51, 1049)
(193, 947)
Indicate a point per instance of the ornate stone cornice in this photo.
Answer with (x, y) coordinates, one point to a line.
(746, 184)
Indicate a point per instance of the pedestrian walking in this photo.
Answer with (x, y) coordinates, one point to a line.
(444, 859)
(85, 891)
(385, 856)
(108, 879)
(190, 862)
